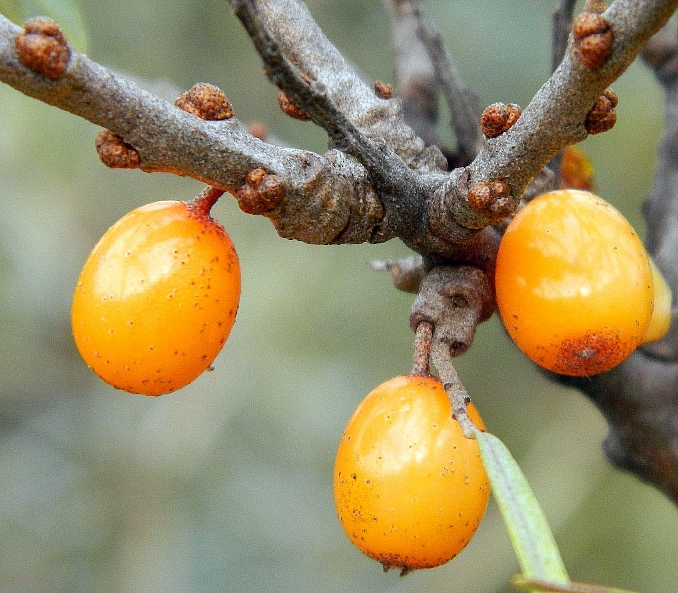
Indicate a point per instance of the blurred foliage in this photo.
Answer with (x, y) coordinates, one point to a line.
(226, 485)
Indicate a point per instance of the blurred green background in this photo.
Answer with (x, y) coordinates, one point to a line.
(226, 485)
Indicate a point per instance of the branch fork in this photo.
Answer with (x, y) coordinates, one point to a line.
(384, 177)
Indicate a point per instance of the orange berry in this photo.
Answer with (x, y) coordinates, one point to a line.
(157, 298)
(661, 314)
(576, 170)
(410, 490)
(574, 284)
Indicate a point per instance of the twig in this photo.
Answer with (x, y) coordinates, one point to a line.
(415, 80)
(562, 27)
(555, 117)
(389, 172)
(166, 138)
(661, 207)
(462, 103)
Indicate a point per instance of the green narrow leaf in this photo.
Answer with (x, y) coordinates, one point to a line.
(530, 534)
(523, 584)
(64, 12)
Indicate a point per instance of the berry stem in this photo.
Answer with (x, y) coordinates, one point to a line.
(459, 397)
(206, 199)
(422, 349)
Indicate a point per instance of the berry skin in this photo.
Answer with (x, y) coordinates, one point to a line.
(157, 298)
(574, 284)
(410, 490)
(661, 314)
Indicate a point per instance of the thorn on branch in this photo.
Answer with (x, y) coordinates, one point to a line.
(261, 192)
(115, 153)
(593, 39)
(205, 101)
(497, 118)
(43, 48)
(602, 116)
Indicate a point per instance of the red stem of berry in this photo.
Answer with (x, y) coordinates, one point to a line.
(207, 198)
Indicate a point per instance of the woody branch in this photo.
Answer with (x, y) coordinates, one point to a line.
(379, 179)
(346, 193)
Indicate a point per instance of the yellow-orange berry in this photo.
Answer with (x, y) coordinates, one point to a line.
(157, 298)
(661, 314)
(410, 490)
(573, 283)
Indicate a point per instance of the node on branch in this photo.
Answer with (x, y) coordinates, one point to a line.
(454, 299)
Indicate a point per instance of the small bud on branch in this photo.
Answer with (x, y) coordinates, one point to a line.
(205, 101)
(383, 90)
(260, 193)
(115, 153)
(288, 107)
(593, 39)
(497, 118)
(602, 116)
(43, 48)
